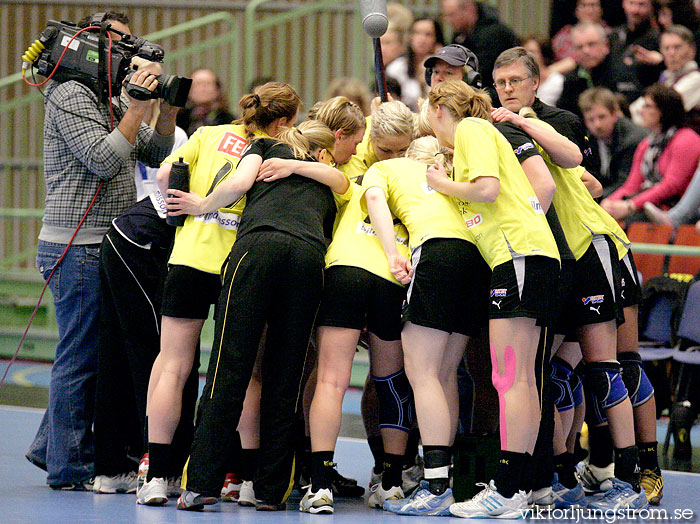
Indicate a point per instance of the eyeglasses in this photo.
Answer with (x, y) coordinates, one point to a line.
(514, 82)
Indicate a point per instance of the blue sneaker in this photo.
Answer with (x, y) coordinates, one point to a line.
(422, 502)
(619, 495)
(567, 498)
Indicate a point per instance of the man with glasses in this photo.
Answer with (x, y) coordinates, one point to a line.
(595, 68)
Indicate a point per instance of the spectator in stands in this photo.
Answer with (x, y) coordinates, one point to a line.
(206, 103)
(596, 68)
(628, 43)
(586, 11)
(476, 26)
(426, 39)
(686, 211)
(551, 78)
(663, 163)
(615, 137)
(395, 54)
(681, 73)
(352, 89)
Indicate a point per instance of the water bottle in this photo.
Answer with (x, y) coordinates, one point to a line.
(179, 179)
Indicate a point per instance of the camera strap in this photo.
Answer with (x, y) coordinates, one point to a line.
(102, 69)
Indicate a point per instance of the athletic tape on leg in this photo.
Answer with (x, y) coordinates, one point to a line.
(636, 381)
(561, 385)
(395, 401)
(604, 388)
(503, 383)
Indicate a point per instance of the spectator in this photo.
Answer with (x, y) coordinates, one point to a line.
(206, 103)
(663, 163)
(596, 68)
(352, 89)
(686, 211)
(682, 74)
(452, 62)
(426, 39)
(395, 46)
(586, 11)
(615, 137)
(85, 152)
(683, 12)
(551, 79)
(476, 26)
(628, 43)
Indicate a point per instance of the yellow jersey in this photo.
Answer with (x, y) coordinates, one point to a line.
(580, 216)
(514, 224)
(212, 152)
(426, 213)
(355, 242)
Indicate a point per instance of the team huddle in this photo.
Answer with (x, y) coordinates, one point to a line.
(460, 221)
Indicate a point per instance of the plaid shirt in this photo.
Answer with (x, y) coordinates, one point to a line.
(79, 153)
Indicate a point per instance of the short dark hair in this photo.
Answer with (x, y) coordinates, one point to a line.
(669, 103)
(682, 32)
(600, 96)
(109, 15)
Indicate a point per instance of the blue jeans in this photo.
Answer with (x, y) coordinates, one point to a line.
(64, 441)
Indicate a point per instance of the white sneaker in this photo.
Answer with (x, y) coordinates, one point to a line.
(174, 489)
(143, 471)
(542, 498)
(489, 503)
(231, 488)
(246, 497)
(379, 495)
(319, 502)
(374, 478)
(593, 476)
(123, 483)
(153, 492)
(411, 477)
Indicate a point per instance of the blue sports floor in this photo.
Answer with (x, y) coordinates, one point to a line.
(25, 499)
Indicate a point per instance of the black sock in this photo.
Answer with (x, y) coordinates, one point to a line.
(248, 464)
(437, 457)
(579, 453)
(376, 446)
(627, 466)
(648, 456)
(158, 460)
(393, 467)
(565, 468)
(600, 445)
(527, 480)
(412, 448)
(510, 472)
(321, 469)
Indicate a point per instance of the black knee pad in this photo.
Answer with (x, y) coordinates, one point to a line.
(395, 401)
(604, 389)
(636, 381)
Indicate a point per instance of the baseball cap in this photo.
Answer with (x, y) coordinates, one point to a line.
(453, 54)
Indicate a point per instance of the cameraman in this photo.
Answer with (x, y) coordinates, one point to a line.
(82, 151)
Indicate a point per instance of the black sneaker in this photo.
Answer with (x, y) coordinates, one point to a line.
(345, 487)
(682, 419)
(269, 506)
(73, 486)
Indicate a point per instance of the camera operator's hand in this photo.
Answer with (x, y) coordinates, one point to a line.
(129, 124)
(166, 119)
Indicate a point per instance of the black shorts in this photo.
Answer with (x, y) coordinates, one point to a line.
(595, 296)
(561, 323)
(189, 292)
(449, 287)
(524, 287)
(630, 289)
(354, 298)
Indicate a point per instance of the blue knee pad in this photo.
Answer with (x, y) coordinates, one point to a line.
(635, 379)
(576, 388)
(604, 389)
(395, 401)
(561, 385)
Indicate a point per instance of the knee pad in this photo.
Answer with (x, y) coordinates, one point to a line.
(604, 388)
(395, 401)
(561, 385)
(636, 381)
(576, 388)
